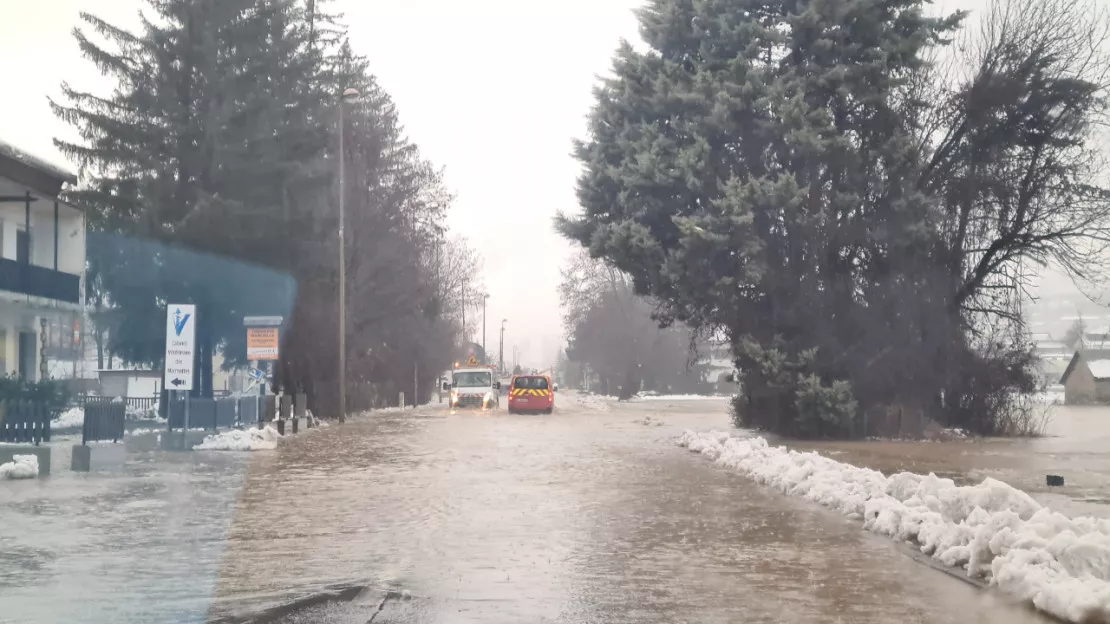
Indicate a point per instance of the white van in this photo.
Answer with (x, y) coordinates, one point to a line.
(473, 387)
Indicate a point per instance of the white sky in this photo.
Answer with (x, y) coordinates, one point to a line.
(492, 90)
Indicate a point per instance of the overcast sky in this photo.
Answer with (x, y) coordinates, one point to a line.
(492, 90)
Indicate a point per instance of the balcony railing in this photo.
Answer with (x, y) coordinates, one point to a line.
(39, 281)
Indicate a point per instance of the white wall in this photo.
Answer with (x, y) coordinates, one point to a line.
(71, 238)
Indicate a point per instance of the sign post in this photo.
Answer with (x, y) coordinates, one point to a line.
(263, 344)
(181, 338)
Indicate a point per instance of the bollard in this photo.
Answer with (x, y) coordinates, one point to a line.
(401, 400)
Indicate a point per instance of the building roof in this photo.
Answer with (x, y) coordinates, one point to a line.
(1100, 369)
(33, 172)
(1092, 358)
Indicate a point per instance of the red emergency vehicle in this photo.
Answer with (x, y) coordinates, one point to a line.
(531, 393)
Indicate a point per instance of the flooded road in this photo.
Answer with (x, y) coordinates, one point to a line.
(588, 515)
(1076, 446)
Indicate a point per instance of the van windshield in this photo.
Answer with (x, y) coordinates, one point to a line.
(473, 379)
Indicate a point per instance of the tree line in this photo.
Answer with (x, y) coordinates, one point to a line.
(855, 194)
(209, 176)
(613, 338)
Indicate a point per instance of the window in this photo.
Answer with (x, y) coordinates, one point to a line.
(531, 383)
(473, 379)
(23, 246)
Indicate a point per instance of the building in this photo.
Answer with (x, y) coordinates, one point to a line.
(1086, 379)
(42, 260)
(1052, 358)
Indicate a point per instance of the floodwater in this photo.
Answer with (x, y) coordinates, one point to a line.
(591, 514)
(1076, 446)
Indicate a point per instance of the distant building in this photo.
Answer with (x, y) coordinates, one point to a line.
(42, 260)
(1086, 379)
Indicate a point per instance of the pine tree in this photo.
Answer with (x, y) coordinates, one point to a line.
(751, 171)
(200, 146)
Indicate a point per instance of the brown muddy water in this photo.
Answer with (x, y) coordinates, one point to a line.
(1076, 446)
(591, 514)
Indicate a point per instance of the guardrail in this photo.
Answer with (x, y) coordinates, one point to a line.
(24, 422)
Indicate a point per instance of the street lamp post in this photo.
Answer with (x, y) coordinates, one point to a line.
(484, 298)
(501, 348)
(348, 95)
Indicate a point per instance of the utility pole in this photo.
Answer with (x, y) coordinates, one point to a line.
(484, 298)
(501, 349)
(348, 95)
(464, 314)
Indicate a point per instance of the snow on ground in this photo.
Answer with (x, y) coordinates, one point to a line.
(252, 439)
(143, 413)
(21, 467)
(594, 402)
(994, 531)
(1051, 396)
(677, 397)
(72, 417)
(141, 431)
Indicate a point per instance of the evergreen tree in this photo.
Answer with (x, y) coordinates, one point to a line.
(752, 172)
(193, 148)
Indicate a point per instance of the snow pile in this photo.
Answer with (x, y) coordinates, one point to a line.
(142, 431)
(644, 396)
(142, 413)
(72, 417)
(594, 402)
(1061, 565)
(241, 440)
(21, 467)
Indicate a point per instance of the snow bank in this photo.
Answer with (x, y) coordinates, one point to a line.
(593, 402)
(996, 532)
(677, 397)
(21, 467)
(72, 417)
(241, 440)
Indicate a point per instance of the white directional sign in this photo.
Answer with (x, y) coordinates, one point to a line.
(181, 338)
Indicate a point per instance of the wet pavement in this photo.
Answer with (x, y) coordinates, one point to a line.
(591, 514)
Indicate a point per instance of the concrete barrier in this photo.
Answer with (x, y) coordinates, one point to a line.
(9, 451)
(182, 440)
(98, 457)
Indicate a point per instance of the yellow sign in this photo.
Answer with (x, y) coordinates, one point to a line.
(262, 343)
(473, 361)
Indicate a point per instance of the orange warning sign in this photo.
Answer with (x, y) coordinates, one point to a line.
(262, 343)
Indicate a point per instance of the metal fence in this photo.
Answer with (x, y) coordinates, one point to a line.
(24, 421)
(103, 421)
(248, 410)
(222, 413)
(132, 402)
